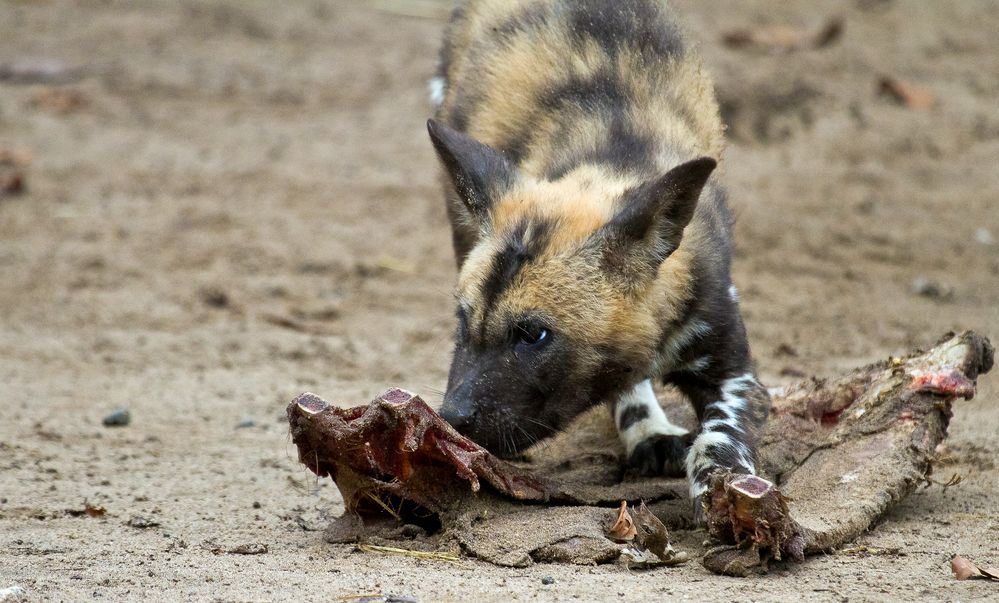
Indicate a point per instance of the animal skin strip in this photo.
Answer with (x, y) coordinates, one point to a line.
(842, 451)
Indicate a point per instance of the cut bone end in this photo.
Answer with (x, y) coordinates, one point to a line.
(310, 404)
(752, 486)
(397, 395)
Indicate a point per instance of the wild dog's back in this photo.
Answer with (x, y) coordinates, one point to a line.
(555, 84)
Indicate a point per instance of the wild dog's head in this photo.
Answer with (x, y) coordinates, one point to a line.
(561, 297)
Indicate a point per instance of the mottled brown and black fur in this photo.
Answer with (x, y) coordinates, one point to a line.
(579, 140)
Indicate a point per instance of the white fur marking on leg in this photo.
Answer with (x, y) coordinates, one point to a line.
(736, 385)
(732, 402)
(731, 405)
(437, 87)
(733, 293)
(714, 424)
(655, 422)
(745, 462)
(698, 460)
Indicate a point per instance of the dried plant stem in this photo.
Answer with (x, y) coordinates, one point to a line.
(391, 550)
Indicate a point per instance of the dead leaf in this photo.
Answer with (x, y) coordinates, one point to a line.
(965, 569)
(652, 534)
(12, 164)
(15, 157)
(88, 509)
(59, 100)
(904, 93)
(623, 528)
(11, 183)
(94, 510)
(784, 38)
(651, 546)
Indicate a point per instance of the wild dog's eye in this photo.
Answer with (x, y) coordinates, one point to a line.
(530, 334)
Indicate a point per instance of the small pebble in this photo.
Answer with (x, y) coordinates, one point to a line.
(929, 288)
(412, 531)
(214, 297)
(119, 417)
(142, 523)
(984, 236)
(253, 548)
(791, 371)
(256, 505)
(786, 349)
(548, 580)
(245, 423)
(39, 69)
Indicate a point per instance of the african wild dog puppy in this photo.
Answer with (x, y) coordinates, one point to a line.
(579, 140)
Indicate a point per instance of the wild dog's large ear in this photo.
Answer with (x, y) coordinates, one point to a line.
(650, 225)
(479, 172)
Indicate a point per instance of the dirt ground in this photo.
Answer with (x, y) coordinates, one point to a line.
(242, 204)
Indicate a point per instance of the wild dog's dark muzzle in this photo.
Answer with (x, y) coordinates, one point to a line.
(472, 409)
(460, 413)
(491, 400)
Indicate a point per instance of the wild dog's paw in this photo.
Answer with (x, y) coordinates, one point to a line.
(661, 454)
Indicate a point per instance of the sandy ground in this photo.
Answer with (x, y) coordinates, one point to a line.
(246, 207)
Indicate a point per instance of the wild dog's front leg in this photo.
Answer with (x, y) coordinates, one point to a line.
(732, 417)
(654, 445)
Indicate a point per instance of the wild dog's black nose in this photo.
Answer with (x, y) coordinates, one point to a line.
(460, 415)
